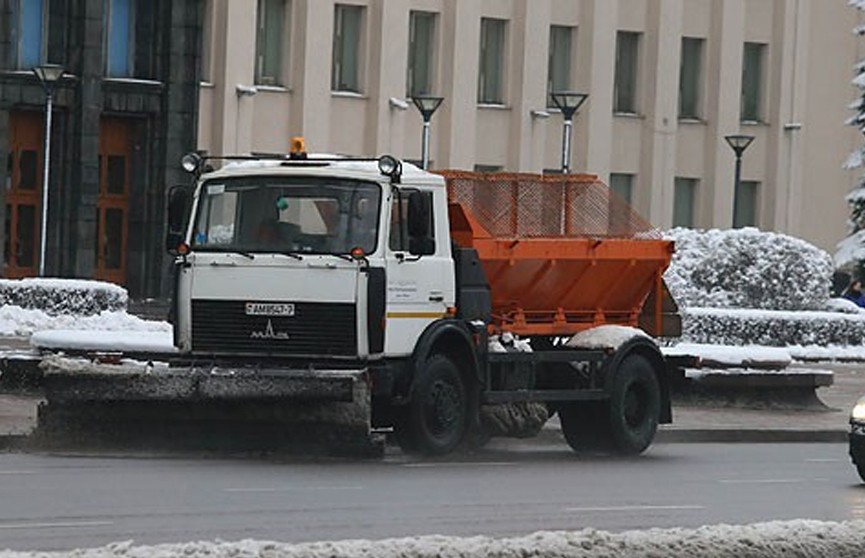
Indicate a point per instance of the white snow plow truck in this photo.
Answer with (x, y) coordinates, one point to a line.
(339, 300)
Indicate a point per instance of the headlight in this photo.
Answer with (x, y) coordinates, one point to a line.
(858, 413)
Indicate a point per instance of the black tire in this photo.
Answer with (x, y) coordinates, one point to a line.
(585, 425)
(860, 468)
(635, 406)
(435, 420)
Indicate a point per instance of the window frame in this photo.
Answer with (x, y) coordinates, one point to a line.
(693, 185)
(554, 63)
(264, 18)
(752, 99)
(129, 67)
(626, 77)
(614, 187)
(691, 82)
(340, 54)
(427, 52)
(17, 34)
(492, 80)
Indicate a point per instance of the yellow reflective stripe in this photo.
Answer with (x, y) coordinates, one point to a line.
(432, 315)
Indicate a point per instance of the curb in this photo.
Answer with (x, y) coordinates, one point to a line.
(759, 436)
(716, 435)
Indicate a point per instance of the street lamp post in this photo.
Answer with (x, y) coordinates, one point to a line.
(49, 75)
(568, 102)
(427, 105)
(739, 143)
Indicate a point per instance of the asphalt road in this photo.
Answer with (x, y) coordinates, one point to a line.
(51, 502)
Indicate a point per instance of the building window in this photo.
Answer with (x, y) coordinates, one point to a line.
(345, 74)
(745, 204)
(752, 82)
(492, 56)
(559, 66)
(623, 185)
(120, 37)
(684, 202)
(207, 41)
(28, 33)
(627, 58)
(488, 168)
(690, 77)
(421, 50)
(269, 42)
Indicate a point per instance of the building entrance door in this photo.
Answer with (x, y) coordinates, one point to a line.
(115, 154)
(23, 192)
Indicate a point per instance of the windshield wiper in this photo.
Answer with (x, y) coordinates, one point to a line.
(290, 254)
(338, 255)
(243, 253)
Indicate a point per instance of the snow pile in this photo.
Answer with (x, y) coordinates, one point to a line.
(20, 322)
(747, 268)
(63, 296)
(771, 539)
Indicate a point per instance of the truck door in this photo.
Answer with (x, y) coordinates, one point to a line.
(420, 283)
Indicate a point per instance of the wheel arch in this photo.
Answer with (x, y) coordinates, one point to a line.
(646, 348)
(453, 339)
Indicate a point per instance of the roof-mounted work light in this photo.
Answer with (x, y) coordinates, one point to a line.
(390, 166)
(191, 162)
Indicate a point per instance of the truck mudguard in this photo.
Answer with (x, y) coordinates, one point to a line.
(452, 338)
(645, 347)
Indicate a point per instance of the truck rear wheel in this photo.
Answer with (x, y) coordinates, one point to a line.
(585, 425)
(634, 406)
(434, 421)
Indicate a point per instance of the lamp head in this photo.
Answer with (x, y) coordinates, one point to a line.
(427, 105)
(739, 142)
(49, 74)
(568, 102)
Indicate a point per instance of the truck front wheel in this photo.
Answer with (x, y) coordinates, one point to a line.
(635, 405)
(435, 419)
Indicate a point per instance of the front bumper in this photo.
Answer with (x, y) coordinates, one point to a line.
(857, 443)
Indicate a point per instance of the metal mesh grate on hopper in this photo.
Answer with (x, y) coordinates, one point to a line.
(517, 205)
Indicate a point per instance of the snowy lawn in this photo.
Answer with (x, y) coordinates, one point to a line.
(780, 538)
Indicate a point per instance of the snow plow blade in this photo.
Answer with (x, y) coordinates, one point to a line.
(213, 408)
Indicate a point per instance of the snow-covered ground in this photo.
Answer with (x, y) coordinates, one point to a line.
(773, 539)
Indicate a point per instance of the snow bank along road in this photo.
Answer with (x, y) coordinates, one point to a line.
(799, 538)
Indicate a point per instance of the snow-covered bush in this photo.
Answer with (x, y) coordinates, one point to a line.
(747, 268)
(63, 296)
(775, 329)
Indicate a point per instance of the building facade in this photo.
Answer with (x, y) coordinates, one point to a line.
(124, 113)
(667, 81)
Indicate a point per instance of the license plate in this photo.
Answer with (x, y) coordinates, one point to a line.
(269, 309)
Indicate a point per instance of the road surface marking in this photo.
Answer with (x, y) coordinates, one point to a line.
(486, 464)
(8, 526)
(761, 481)
(292, 488)
(634, 508)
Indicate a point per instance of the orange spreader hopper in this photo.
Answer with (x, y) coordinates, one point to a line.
(562, 253)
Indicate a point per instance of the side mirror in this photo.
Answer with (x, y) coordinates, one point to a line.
(420, 234)
(419, 214)
(179, 199)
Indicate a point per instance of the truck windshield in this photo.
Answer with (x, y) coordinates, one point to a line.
(287, 215)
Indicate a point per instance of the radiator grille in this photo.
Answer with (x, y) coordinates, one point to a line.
(328, 329)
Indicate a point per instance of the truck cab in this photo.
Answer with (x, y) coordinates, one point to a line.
(314, 259)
